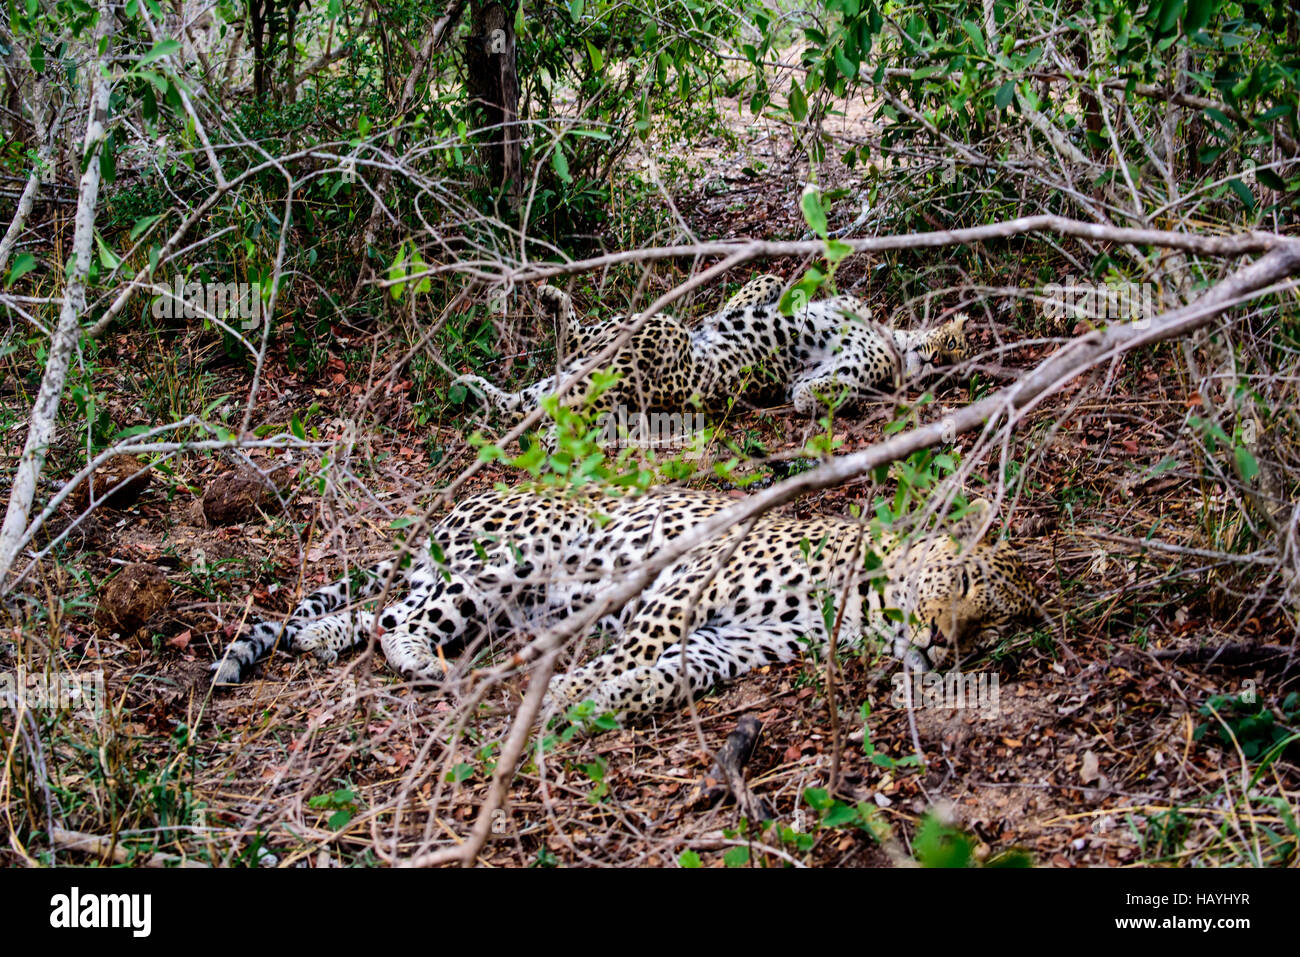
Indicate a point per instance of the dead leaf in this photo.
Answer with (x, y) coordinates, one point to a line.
(1091, 769)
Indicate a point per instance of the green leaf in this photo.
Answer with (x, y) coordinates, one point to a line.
(1243, 193)
(460, 772)
(1002, 98)
(689, 859)
(561, 164)
(1270, 179)
(107, 258)
(811, 204)
(108, 159)
(1208, 154)
(976, 36)
(846, 66)
(798, 102)
(817, 798)
(23, 264)
(162, 48)
(836, 250)
(597, 59)
(1247, 467)
(1169, 14)
(339, 819)
(141, 429)
(1198, 14)
(937, 845)
(841, 815)
(142, 224)
(736, 856)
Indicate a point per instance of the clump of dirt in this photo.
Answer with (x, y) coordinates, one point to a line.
(233, 498)
(118, 483)
(138, 593)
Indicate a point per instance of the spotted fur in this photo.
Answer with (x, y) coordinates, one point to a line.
(655, 367)
(826, 353)
(521, 559)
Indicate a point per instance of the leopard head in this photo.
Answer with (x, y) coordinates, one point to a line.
(988, 594)
(947, 344)
(963, 595)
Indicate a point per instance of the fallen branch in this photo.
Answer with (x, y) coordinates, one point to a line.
(740, 251)
(106, 849)
(1235, 654)
(728, 774)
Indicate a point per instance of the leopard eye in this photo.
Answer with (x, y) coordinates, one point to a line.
(952, 342)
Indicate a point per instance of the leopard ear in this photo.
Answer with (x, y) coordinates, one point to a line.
(976, 517)
(959, 321)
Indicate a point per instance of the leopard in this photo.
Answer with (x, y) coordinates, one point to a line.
(654, 369)
(515, 561)
(826, 353)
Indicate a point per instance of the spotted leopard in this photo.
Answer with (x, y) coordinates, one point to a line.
(521, 559)
(655, 367)
(827, 352)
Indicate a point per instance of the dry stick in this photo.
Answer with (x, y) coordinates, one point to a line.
(502, 776)
(68, 332)
(1236, 244)
(1011, 402)
(729, 768)
(105, 848)
(47, 124)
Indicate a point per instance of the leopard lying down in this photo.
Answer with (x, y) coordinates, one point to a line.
(826, 353)
(520, 559)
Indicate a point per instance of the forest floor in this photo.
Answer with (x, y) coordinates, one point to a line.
(1101, 748)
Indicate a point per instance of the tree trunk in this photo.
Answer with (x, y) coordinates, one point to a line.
(45, 120)
(66, 334)
(493, 82)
